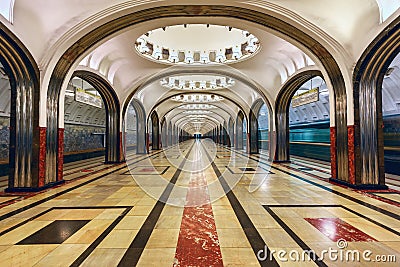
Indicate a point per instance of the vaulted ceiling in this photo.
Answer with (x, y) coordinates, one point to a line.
(48, 28)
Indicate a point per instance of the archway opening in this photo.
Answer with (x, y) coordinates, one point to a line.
(149, 135)
(309, 121)
(5, 108)
(244, 134)
(263, 130)
(333, 71)
(239, 130)
(84, 122)
(154, 125)
(131, 131)
(391, 121)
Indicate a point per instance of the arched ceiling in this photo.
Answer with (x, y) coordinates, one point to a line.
(46, 26)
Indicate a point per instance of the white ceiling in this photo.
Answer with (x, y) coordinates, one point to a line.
(47, 27)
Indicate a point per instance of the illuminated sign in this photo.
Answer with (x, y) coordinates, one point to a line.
(85, 97)
(306, 97)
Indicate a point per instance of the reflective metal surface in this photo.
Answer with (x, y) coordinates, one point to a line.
(253, 118)
(265, 20)
(156, 131)
(368, 76)
(24, 126)
(169, 141)
(231, 131)
(282, 113)
(239, 131)
(51, 140)
(140, 126)
(111, 102)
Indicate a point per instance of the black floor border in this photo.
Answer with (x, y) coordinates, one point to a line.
(27, 207)
(375, 208)
(388, 199)
(15, 197)
(78, 165)
(302, 165)
(78, 261)
(314, 257)
(58, 208)
(253, 236)
(298, 240)
(387, 228)
(248, 172)
(135, 250)
(166, 168)
(388, 193)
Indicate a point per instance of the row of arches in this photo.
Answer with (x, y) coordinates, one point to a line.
(36, 152)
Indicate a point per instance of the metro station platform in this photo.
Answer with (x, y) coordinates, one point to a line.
(199, 204)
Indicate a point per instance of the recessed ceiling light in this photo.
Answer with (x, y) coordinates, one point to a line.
(197, 44)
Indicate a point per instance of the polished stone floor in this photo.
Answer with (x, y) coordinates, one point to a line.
(198, 204)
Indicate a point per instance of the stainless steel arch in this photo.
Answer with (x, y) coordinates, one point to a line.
(367, 158)
(265, 20)
(27, 155)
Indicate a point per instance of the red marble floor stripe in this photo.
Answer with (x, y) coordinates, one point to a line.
(336, 229)
(198, 243)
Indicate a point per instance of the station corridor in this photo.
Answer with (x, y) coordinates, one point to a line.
(199, 133)
(173, 208)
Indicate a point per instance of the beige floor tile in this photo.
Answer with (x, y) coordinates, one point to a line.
(89, 233)
(58, 214)
(25, 255)
(223, 210)
(238, 257)
(291, 257)
(314, 213)
(232, 238)
(140, 210)
(104, 257)
(393, 245)
(118, 239)
(163, 238)
(131, 222)
(221, 202)
(22, 232)
(122, 190)
(372, 230)
(157, 257)
(82, 214)
(172, 210)
(277, 238)
(63, 255)
(226, 221)
(263, 221)
(5, 247)
(169, 222)
(109, 214)
(9, 222)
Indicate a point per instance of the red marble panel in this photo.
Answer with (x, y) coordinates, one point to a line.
(198, 243)
(248, 143)
(42, 156)
(60, 156)
(148, 142)
(336, 229)
(121, 154)
(333, 151)
(352, 162)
